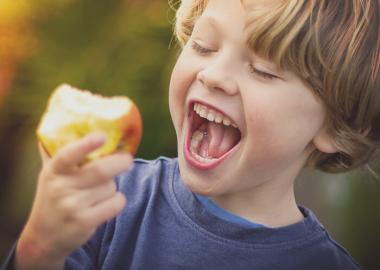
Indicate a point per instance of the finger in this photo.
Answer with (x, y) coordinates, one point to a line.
(72, 154)
(98, 193)
(107, 209)
(103, 169)
(43, 153)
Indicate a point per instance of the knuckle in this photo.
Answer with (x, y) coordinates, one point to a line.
(56, 188)
(61, 161)
(100, 172)
(67, 207)
(114, 207)
(84, 223)
(111, 186)
(116, 204)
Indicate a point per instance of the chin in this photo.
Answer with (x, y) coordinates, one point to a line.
(199, 182)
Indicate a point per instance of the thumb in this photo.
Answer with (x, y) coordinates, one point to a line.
(44, 155)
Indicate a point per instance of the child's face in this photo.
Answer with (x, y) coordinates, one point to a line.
(278, 119)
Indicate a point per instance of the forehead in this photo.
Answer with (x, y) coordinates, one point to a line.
(247, 9)
(251, 3)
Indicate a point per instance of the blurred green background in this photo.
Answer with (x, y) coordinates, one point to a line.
(127, 47)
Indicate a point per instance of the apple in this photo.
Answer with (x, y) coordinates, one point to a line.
(72, 113)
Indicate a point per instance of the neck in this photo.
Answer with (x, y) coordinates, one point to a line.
(272, 209)
(271, 203)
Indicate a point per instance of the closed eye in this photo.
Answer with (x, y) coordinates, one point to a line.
(262, 74)
(200, 49)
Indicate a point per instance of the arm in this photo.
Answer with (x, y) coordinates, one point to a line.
(71, 201)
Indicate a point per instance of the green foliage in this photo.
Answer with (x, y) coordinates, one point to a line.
(111, 47)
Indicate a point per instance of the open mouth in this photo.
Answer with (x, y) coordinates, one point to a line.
(212, 136)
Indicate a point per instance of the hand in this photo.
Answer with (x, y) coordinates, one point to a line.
(70, 202)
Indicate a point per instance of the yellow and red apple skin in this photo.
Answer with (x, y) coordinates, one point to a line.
(122, 134)
(131, 130)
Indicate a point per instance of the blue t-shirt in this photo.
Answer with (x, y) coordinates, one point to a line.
(213, 208)
(164, 226)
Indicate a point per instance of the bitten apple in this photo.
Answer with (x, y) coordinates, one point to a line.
(72, 113)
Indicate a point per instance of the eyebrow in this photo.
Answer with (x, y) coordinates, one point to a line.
(211, 20)
(214, 23)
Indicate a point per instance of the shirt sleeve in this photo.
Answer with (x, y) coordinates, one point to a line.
(86, 257)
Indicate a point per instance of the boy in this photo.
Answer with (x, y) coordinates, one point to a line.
(261, 89)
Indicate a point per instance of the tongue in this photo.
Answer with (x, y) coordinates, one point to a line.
(220, 139)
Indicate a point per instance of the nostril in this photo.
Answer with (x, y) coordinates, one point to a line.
(201, 78)
(216, 80)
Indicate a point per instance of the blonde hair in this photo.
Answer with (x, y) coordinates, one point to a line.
(333, 46)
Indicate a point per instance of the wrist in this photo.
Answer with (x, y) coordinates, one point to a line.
(32, 253)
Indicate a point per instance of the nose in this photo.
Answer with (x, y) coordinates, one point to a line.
(217, 77)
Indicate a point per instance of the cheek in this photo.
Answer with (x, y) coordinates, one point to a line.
(282, 128)
(262, 134)
(183, 76)
(177, 90)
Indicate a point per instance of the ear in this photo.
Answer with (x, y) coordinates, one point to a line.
(324, 142)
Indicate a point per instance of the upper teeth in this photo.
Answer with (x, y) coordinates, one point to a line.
(212, 115)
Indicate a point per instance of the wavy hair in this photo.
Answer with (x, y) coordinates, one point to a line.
(334, 47)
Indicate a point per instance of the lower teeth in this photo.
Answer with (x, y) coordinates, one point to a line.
(201, 159)
(196, 138)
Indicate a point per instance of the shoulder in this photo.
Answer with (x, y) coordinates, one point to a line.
(328, 253)
(147, 168)
(144, 168)
(338, 254)
(144, 176)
